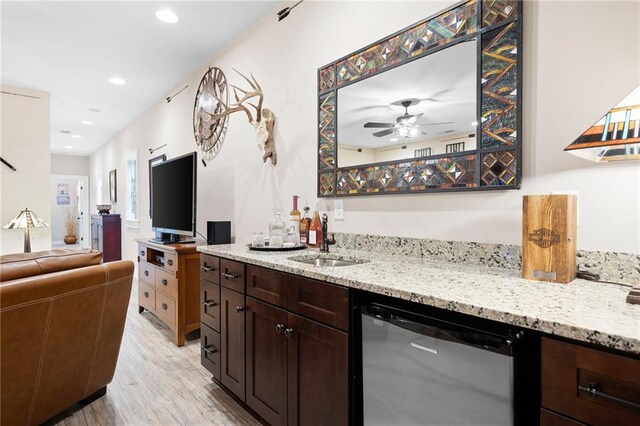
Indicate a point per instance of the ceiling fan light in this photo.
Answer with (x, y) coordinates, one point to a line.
(413, 132)
(403, 132)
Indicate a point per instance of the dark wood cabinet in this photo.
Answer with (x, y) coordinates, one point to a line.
(284, 342)
(232, 333)
(267, 361)
(106, 236)
(318, 373)
(589, 385)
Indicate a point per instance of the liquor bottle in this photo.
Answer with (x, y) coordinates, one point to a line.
(315, 229)
(293, 233)
(305, 223)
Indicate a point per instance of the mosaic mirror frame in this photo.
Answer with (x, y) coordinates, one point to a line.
(496, 164)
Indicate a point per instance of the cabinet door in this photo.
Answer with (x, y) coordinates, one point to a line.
(267, 361)
(233, 345)
(318, 379)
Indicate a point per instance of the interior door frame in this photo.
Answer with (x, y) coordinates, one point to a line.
(85, 226)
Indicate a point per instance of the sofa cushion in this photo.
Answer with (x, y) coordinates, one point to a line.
(22, 265)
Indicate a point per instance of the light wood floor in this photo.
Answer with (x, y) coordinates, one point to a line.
(158, 383)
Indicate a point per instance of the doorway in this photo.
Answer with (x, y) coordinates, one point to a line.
(69, 211)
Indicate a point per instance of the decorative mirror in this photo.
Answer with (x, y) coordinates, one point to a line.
(434, 107)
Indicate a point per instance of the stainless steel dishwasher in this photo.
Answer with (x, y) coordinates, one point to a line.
(418, 370)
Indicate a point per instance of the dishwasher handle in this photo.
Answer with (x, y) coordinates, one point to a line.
(444, 330)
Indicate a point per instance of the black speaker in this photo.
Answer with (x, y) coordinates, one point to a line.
(218, 232)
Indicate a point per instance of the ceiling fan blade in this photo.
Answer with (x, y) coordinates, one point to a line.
(378, 125)
(414, 118)
(382, 133)
(435, 124)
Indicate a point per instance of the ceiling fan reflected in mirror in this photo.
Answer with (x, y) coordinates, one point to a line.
(405, 126)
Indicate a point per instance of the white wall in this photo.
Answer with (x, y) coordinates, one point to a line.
(24, 142)
(575, 68)
(69, 165)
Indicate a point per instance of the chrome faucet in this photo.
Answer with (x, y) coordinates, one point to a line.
(325, 242)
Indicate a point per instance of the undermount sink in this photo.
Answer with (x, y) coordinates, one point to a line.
(327, 260)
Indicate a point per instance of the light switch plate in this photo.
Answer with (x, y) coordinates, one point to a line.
(338, 210)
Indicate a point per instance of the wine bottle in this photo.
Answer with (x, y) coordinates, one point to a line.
(315, 229)
(305, 223)
(293, 233)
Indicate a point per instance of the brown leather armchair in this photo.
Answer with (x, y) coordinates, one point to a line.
(62, 316)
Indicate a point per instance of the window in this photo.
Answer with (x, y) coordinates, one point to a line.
(422, 152)
(132, 186)
(455, 147)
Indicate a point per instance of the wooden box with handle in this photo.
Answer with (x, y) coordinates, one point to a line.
(549, 227)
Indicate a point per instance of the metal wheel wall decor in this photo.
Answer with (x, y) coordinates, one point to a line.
(208, 131)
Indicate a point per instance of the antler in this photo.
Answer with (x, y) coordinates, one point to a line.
(239, 105)
(257, 91)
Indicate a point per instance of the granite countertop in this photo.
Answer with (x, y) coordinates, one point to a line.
(581, 310)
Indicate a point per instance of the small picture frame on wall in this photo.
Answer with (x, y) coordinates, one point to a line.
(155, 160)
(113, 190)
(63, 200)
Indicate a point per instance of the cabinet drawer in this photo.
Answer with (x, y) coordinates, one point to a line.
(232, 275)
(146, 296)
(210, 268)
(569, 370)
(267, 285)
(322, 302)
(167, 283)
(210, 304)
(166, 309)
(143, 253)
(210, 350)
(147, 273)
(549, 418)
(170, 262)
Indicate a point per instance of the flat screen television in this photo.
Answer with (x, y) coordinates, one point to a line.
(173, 198)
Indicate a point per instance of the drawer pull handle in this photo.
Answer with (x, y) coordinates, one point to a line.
(280, 328)
(206, 268)
(209, 303)
(209, 351)
(146, 294)
(230, 276)
(164, 306)
(146, 273)
(289, 332)
(142, 253)
(170, 262)
(594, 389)
(239, 309)
(164, 282)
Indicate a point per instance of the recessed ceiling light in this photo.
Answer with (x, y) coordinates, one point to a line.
(76, 136)
(117, 81)
(68, 147)
(165, 15)
(87, 122)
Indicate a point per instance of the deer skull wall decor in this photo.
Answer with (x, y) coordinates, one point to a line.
(263, 122)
